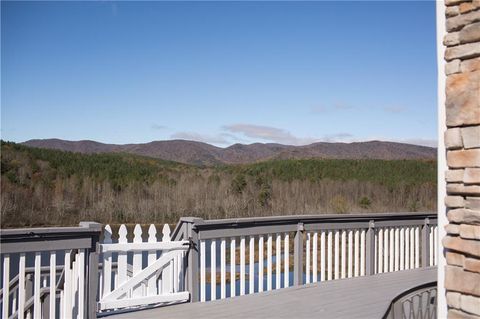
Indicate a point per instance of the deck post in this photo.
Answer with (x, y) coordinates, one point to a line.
(370, 249)
(192, 263)
(92, 270)
(298, 256)
(425, 242)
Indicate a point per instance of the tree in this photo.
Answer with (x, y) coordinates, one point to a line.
(365, 202)
(238, 184)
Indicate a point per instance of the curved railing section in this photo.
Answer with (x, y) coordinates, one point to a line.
(417, 303)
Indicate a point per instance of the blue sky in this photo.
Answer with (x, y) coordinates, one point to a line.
(219, 72)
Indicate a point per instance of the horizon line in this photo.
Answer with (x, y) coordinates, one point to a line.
(225, 147)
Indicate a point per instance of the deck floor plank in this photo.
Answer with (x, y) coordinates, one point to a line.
(361, 297)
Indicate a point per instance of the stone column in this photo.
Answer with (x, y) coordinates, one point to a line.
(462, 141)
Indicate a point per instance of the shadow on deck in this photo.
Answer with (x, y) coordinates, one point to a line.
(360, 297)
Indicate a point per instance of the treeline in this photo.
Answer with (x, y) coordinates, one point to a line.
(47, 187)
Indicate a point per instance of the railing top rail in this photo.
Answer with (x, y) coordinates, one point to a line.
(50, 238)
(294, 219)
(84, 230)
(219, 228)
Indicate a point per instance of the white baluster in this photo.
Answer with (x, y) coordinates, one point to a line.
(391, 253)
(178, 272)
(81, 283)
(315, 256)
(307, 261)
(269, 262)
(362, 252)
(350, 253)
(344, 254)
(37, 305)
(242, 265)
(322, 256)
(432, 249)
(412, 247)
(251, 266)
(21, 287)
(167, 277)
(232, 267)
(337, 255)
(286, 261)
(278, 262)
(260, 263)
(397, 248)
(67, 287)
(122, 256)
(223, 275)
(329, 255)
(402, 248)
(407, 248)
(203, 284)
(6, 286)
(152, 257)
(74, 285)
(137, 260)
(386, 249)
(62, 292)
(213, 269)
(107, 263)
(435, 245)
(380, 251)
(417, 247)
(375, 252)
(356, 271)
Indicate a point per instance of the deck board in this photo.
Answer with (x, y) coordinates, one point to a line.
(361, 297)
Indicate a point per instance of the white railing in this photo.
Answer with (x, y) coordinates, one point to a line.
(241, 262)
(245, 256)
(44, 272)
(338, 254)
(137, 281)
(68, 272)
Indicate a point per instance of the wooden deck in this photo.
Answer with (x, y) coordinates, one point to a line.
(361, 297)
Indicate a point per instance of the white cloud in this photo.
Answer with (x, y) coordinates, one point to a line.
(268, 133)
(192, 136)
(416, 141)
(419, 141)
(233, 137)
(247, 133)
(339, 137)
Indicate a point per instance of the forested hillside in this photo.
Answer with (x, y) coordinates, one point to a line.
(50, 187)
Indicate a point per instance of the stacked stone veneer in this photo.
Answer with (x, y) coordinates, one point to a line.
(462, 141)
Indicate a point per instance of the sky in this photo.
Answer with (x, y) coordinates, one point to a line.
(219, 72)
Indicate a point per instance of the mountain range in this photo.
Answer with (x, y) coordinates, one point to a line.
(199, 153)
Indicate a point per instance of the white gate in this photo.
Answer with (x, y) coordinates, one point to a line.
(144, 273)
